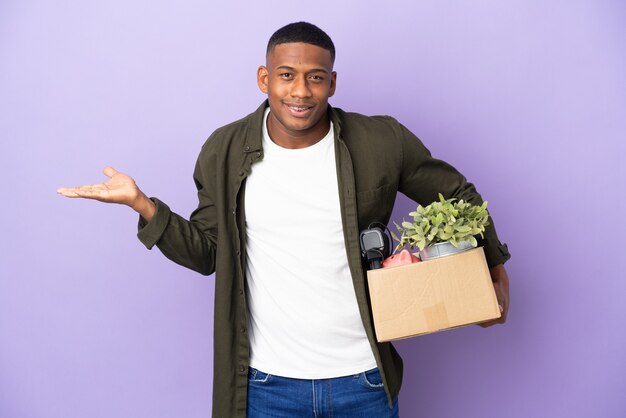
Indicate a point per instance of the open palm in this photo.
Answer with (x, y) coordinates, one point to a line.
(120, 188)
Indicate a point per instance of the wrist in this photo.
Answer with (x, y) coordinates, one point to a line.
(144, 206)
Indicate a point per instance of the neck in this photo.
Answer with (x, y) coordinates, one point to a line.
(297, 139)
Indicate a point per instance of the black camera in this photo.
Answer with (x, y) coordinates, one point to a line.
(375, 245)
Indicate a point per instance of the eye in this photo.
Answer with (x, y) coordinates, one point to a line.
(285, 76)
(316, 77)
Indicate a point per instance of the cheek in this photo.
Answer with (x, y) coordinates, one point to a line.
(276, 87)
(323, 91)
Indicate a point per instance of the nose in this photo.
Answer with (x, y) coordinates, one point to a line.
(299, 87)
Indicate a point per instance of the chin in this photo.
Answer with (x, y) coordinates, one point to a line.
(297, 124)
(303, 126)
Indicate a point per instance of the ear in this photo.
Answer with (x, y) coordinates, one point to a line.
(333, 83)
(262, 78)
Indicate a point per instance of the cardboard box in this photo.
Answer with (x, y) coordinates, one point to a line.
(431, 296)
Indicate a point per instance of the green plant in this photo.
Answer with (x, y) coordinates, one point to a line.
(443, 221)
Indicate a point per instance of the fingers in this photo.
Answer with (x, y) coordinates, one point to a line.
(110, 171)
(492, 322)
(489, 323)
(500, 320)
(96, 191)
(67, 192)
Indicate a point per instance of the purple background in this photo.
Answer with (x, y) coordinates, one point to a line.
(527, 98)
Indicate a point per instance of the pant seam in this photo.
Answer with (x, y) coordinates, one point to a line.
(314, 399)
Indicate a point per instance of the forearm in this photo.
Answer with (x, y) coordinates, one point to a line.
(191, 244)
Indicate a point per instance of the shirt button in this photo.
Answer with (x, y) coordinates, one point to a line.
(247, 148)
(241, 173)
(238, 252)
(258, 154)
(243, 330)
(242, 369)
(241, 291)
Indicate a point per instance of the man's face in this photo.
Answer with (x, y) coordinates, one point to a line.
(298, 79)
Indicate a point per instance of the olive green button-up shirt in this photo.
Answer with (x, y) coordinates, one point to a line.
(376, 158)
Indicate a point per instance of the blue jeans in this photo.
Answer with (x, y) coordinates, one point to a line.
(359, 395)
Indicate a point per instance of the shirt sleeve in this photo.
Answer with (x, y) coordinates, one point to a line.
(150, 232)
(191, 243)
(424, 177)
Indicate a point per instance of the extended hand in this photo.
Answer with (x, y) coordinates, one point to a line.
(501, 286)
(120, 188)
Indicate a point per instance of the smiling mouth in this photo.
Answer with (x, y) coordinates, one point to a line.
(298, 109)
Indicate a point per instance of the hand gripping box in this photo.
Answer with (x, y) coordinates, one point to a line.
(431, 296)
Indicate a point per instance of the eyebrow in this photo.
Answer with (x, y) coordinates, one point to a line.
(315, 70)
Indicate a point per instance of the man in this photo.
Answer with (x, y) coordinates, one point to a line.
(283, 194)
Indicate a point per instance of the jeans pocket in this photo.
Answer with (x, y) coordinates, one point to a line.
(371, 379)
(257, 376)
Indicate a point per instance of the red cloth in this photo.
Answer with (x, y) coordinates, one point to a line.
(403, 257)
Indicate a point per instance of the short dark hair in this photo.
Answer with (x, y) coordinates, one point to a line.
(302, 32)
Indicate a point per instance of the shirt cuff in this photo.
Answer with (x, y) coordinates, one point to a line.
(150, 232)
(496, 254)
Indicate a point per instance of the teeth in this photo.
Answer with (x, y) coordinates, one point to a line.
(299, 109)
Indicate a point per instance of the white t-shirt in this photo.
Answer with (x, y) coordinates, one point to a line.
(304, 317)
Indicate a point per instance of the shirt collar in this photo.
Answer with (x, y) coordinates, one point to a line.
(254, 136)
